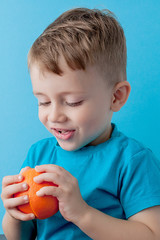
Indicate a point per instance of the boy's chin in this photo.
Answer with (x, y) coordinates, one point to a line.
(69, 147)
(72, 146)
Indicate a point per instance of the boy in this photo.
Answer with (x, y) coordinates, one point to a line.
(108, 184)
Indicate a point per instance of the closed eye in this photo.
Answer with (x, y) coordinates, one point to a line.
(43, 103)
(74, 104)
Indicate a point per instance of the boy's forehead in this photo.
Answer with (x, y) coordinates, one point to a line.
(70, 82)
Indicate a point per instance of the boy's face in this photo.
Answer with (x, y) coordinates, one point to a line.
(74, 107)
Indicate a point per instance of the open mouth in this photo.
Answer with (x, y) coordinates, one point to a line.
(63, 134)
(64, 131)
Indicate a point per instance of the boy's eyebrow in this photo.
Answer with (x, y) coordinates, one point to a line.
(38, 93)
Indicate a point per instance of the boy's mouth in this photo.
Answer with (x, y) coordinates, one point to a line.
(63, 134)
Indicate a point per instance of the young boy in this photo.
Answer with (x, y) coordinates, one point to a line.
(108, 184)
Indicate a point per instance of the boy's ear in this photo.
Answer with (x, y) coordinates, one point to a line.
(120, 95)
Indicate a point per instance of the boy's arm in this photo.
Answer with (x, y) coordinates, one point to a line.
(143, 225)
(16, 229)
(97, 225)
(16, 225)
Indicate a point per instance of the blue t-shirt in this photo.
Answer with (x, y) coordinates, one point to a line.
(119, 177)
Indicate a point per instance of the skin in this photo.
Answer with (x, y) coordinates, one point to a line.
(87, 108)
(78, 100)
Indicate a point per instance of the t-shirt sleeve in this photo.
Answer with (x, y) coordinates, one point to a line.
(140, 183)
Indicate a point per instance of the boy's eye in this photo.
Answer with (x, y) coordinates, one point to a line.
(44, 103)
(74, 104)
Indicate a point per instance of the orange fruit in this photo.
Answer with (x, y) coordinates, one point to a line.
(42, 207)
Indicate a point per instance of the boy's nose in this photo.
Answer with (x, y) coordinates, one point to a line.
(56, 115)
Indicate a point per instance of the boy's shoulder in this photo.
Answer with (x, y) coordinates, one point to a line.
(40, 152)
(128, 145)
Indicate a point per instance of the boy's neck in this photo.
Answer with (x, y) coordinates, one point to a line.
(103, 137)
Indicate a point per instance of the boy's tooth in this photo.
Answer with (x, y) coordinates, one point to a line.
(63, 131)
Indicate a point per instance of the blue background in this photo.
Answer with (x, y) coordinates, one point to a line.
(21, 22)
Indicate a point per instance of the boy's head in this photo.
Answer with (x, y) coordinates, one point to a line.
(83, 37)
(70, 64)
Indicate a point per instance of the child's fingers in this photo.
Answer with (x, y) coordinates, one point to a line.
(49, 168)
(48, 177)
(8, 180)
(14, 188)
(24, 169)
(15, 202)
(21, 216)
(54, 177)
(49, 190)
(53, 173)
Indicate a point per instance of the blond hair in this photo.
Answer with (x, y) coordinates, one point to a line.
(83, 36)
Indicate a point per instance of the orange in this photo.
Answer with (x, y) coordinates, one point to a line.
(42, 207)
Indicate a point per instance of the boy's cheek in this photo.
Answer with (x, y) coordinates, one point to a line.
(42, 117)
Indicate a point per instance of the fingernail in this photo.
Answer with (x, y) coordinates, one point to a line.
(32, 215)
(34, 179)
(36, 167)
(20, 178)
(26, 198)
(38, 193)
(25, 186)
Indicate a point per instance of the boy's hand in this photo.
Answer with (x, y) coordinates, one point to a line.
(10, 186)
(71, 204)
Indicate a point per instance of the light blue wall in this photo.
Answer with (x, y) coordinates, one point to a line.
(22, 21)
